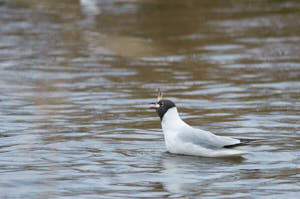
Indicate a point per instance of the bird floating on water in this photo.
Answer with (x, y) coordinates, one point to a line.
(181, 138)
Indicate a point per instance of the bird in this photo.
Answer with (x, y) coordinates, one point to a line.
(181, 138)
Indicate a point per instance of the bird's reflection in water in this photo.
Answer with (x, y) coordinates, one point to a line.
(192, 174)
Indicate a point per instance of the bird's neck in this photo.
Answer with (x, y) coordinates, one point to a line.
(172, 120)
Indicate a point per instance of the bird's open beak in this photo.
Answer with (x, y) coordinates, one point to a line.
(154, 105)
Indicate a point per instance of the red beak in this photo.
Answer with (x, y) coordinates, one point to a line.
(154, 106)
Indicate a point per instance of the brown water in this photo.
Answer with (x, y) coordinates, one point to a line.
(76, 78)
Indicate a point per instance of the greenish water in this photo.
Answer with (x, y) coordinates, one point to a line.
(76, 78)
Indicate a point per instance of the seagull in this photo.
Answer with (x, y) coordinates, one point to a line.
(181, 138)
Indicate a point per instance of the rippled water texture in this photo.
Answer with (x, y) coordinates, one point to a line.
(76, 78)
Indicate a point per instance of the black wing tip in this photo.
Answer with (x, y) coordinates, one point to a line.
(244, 142)
(235, 145)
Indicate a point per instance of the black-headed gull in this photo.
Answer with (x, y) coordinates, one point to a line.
(181, 138)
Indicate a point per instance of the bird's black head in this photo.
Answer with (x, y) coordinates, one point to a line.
(163, 106)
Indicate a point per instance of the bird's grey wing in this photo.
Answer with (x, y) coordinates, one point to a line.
(207, 139)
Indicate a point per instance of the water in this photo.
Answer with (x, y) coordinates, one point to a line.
(76, 78)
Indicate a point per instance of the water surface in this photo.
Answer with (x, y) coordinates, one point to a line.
(76, 78)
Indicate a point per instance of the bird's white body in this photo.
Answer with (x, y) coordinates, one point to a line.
(180, 138)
